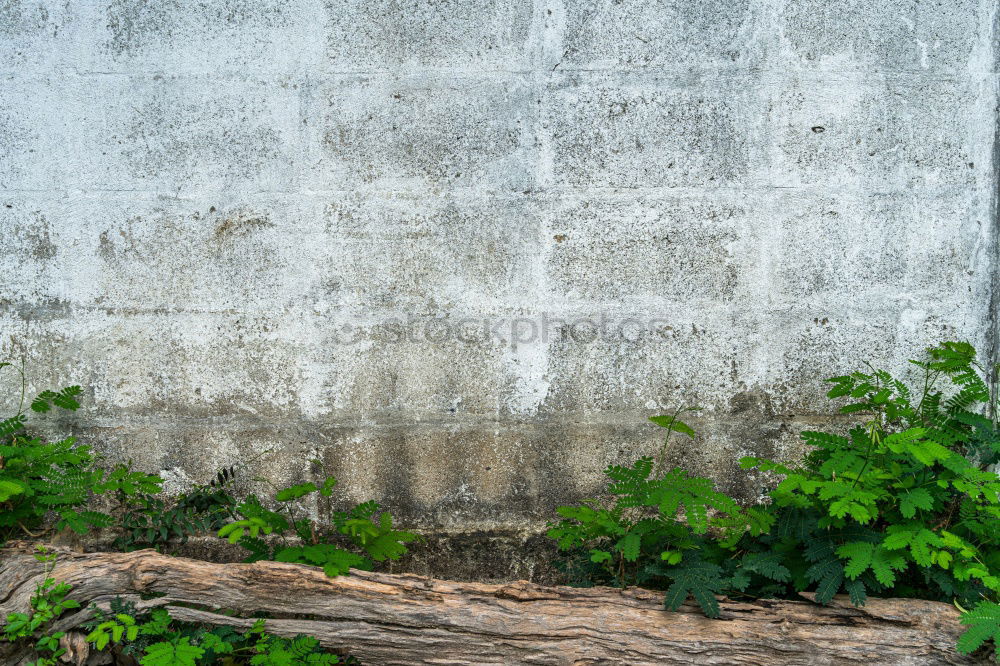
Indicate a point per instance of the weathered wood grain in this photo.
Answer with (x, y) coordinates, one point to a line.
(386, 619)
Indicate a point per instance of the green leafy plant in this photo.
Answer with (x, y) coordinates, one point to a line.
(355, 539)
(156, 639)
(654, 530)
(150, 521)
(48, 603)
(40, 479)
(904, 504)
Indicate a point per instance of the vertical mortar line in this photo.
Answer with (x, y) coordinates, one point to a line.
(993, 209)
(766, 189)
(546, 44)
(993, 219)
(546, 37)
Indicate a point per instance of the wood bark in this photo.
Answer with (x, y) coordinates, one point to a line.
(386, 619)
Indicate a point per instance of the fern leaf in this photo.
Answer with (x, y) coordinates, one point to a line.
(215, 644)
(178, 652)
(673, 424)
(825, 440)
(295, 492)
(630, 483)
(829, 581)
(13, 424)
(885, 564)
(629, 546)
(795, 523)
(984, 624)
(695, 494)
(698, 579)
(11, 487)
(365, 509)
(918, 498)
(827, 570)
(859, 557)
(66, 398)
(768, 565)
(856, 591)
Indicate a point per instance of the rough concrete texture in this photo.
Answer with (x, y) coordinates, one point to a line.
(261, 232)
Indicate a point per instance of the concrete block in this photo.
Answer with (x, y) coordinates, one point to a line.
(514, 477)
(433, 478)
(897, 35)
(635, 364)
(431, 254)
(647, 250)
(836, 251)
(122, 252)
(37, 35)
(267, 38)
(478, 476)
(171, 365)
(29, 251)
(423, 34)
(635, 35)
(405, 369)
(186, 135)
(809, 344)
(427, 132)
(632, 131)
(35, 133)
(877, 134)
(160, 254)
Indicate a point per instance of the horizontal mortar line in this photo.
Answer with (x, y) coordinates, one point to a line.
(246, 422)
(562, 190)
(639, 307)
(676, 72)
(559, 190)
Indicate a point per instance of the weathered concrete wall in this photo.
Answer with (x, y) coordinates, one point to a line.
(271, 230)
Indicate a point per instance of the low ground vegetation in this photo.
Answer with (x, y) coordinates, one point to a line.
(903, 504)
(906, 504)
(47, 487)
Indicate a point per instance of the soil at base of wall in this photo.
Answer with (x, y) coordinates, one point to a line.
(487, 556)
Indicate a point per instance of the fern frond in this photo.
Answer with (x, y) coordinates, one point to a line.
(696, 495)
(984, 624)
(66, 398)
(698, 579)
(828, 574)
(856, 591)
(768, 565)
(12, 425)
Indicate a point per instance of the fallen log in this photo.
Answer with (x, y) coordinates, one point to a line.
(386, 619)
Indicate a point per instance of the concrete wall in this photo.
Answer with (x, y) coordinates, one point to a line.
(269, 231)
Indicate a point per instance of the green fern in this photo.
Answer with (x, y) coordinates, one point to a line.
(51, 483)
(862, 556)
(178, 652)
(295, 492)
(698, 579)
(376, 537)
(905, 503)
(333, 560)
(365, 528)
(157, 639)
(984, 625)
(769, 564)
(66, 399)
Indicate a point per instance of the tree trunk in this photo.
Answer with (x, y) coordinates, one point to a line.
(388, 619)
